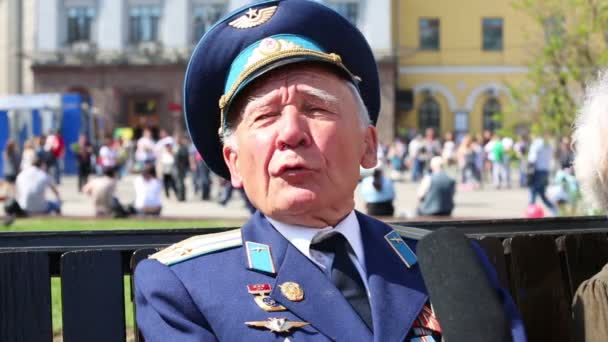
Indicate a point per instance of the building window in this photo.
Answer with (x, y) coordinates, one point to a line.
(205, 15)
(492, 34)
(490, 109)
(429, 34)
(428, 114)
(348, 9)
(143, 23)
(80, 21)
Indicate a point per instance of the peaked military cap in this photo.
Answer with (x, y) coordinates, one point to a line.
(257, 38)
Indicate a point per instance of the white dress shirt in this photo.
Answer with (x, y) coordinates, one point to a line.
(302, 237)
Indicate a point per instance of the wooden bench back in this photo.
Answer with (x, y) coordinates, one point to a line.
(541, 272)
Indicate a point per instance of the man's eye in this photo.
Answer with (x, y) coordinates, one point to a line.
(265, 116)
(314, 108)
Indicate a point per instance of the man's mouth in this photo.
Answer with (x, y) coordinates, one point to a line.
(291, 169)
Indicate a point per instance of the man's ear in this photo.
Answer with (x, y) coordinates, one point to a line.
(231, 158)
(369, 159)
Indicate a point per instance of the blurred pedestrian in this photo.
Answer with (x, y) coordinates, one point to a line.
(42, 154)
(55, 146)
(520, 150)
(496, 155)
(431, 143)
(107, 154)
(449, 149)
(182, 165)
(163, 139)
(539, 160)
(378, 192)
(147, 193)
(396, 155)
(83, 151)
(32, 183)
(28, 154)
(166, 160)
(10, 164)
(226, 195)
(507, 156)
(417, 157)
(565, 155)
(436, 191)
(466, 155)
(102, 190)
(204, 177)
(144, 151)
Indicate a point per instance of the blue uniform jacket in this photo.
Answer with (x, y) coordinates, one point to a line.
(205, 298)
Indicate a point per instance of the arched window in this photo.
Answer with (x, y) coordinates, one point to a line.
(429, 114)
(490, 109)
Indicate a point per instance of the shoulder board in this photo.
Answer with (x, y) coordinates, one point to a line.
(197, 246)
(410, 232)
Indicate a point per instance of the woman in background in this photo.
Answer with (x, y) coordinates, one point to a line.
(378, 193)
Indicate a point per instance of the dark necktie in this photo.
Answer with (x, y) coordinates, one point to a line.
(345, 276)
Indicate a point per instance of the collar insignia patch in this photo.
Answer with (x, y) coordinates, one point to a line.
(259, 257)
(253, 18)
(401, 248)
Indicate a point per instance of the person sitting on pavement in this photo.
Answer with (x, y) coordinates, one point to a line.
(378, 193)
(103, 192)
(436, 191)
(32, 183)
(147, 193)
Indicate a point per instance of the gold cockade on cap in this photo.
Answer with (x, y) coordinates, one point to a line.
(253, 17)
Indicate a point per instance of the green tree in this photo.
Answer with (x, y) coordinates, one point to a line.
(575, 33)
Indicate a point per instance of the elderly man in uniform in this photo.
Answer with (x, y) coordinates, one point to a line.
(292, 87)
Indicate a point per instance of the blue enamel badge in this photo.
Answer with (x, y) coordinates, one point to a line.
(259, 257)
(402, 249)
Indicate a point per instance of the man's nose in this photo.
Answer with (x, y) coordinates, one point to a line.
(293, 131)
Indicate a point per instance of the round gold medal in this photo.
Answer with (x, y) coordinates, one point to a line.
(292, 291)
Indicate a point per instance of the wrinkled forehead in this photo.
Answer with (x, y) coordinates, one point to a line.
(315, 80)
(300, 75)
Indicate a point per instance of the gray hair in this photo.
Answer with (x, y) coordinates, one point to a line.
(227, 133)
(590, 138)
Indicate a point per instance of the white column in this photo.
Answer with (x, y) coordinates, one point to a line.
(174, 25)
(28, 36)
(375, 24)
(48, 20)
(111, 25)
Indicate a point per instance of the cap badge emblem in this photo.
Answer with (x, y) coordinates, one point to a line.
(253, 18)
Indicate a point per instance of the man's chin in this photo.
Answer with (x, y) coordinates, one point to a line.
(296, 201)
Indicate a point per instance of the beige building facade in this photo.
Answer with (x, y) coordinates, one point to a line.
(17, 29)
(129, 56)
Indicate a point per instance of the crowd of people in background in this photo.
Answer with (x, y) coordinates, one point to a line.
(543, 164)
(440, 166)
(161, 167)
